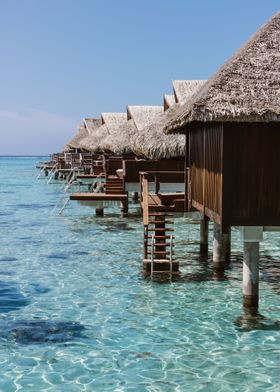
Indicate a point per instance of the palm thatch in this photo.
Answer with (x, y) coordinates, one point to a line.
(245, 89)
(92, 124)
(110, 121)
(183, 89)
(76, 140)
(119, 140)
(89, 125)
(143, 115)
(168, 101)
(152, 142)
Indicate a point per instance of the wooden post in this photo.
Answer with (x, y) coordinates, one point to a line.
(251, 275)
(124, 206)
(135, 196)
(221, 247)
(99, 211)
(46, 173)
(204, 236)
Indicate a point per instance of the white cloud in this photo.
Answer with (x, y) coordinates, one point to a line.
(33, 132)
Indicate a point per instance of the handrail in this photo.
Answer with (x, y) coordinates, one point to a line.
(171, 253)
(145, 201)
(152, 256)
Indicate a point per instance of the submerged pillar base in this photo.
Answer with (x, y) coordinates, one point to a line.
(251, 302)
(135, 196)
(99, 211)
(204, 236)
(221, 246)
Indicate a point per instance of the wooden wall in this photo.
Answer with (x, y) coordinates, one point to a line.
(205, 152)
(251, 178)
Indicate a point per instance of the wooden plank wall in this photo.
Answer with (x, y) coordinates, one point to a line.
(206, 147)
(251, 182)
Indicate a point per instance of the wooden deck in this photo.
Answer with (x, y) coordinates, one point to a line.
(98, 196)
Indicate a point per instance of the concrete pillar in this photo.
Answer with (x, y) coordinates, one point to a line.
(204, 236)
(221, 247)
(134, 196)
(251, 236)
(99, 211)
(251, 275)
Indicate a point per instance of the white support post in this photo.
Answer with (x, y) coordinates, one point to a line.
(251, 237)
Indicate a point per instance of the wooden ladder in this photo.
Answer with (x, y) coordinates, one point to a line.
(114, 185)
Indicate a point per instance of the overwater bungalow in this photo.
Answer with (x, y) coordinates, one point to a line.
(232, 135)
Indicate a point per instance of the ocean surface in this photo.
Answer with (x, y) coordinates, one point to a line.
(76, 313)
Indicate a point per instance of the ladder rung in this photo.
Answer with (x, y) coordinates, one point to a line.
(159, 252)
(161, 244)
(160, 229)
(159, 236)
(160, 214)
(156, 222)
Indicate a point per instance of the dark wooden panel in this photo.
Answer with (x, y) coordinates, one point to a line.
(251, 183)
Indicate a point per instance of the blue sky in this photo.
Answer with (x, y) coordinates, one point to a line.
(62, 60)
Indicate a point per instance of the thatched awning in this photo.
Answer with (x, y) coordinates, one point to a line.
(245, 89)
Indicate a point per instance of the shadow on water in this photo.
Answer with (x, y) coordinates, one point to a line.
(41, 331)
(11, 298)
(8, 259)
(251, 320)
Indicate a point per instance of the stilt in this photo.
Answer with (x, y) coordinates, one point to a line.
(221, 247)
(251, 237)
(56, 174)
(251, 275)
(204, 236)
(124, 207)
(134, 196)
(99, 211)
(46, 173)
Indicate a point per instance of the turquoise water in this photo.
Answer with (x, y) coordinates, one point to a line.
(77, 315)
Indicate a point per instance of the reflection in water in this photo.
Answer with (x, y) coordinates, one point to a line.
(251, 320)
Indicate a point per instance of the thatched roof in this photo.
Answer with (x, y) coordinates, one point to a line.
(168, 101)
(119, 139)
(245, 89)
(143, 115)
(110, 122)
(89, 125)
(92, 124)
(113, 120)
(76, 140)
(183, 89)
(119, 142)
(153, 143)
